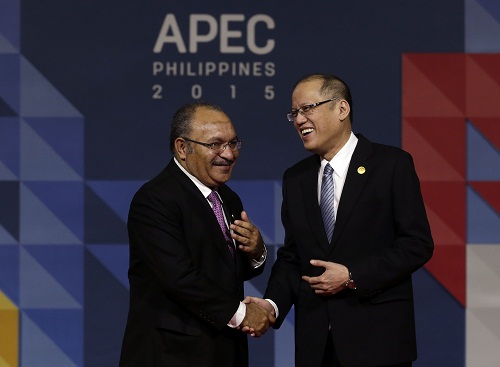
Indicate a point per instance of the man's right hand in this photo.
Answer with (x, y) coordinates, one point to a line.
(257, 320)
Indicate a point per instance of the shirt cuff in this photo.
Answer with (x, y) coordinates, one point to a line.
(258, 263)
(238, 317)
(276, 311)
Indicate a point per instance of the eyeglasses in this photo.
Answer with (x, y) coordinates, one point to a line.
(306, 110)
(218, 148)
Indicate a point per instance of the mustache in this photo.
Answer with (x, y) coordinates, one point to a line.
(223, 162)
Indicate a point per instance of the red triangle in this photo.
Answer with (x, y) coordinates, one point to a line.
(424, 95)
(448, 201)
(447, 136)
(490, 128)
(441, 232)
(490, 191)
(444, 75)
(448, 266)
(490, 63)
(483, 91)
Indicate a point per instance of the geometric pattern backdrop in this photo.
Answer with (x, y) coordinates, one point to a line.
(63, 240)
(451, 125)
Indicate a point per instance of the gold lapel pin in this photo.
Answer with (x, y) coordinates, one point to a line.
(361, 170)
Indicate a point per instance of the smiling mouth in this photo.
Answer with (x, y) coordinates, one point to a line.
(306, 131)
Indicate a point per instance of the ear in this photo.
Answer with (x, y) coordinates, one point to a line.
(344, 108)
(181, 148)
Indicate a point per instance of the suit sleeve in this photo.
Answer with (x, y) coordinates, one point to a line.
(284, 282)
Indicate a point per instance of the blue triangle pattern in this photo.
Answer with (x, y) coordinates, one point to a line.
(64, 199)
(258, 201)
(115, 258)
(116, 194)
(483, 223)
(5, 46)
(482, 28)
(39, 98)
(39, 225)
(492, 7)
(64, 328)
(38, 349)
(10, 21)
(65, 136)
(9, 147)
(6, 238)
(64, 263)
(39, 289)
(9, 272)
(9, 213)
(39, 161)
(9, 75)
(483, 160)
(440, 320)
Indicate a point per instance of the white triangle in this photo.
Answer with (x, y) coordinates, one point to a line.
(483, 280)
(482, 345)
(38, 349)
(39, 225)
(39, 289)
(39, 161)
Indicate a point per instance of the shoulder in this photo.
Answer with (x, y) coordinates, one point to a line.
(169, 184)
(303, 167)
(379, 151)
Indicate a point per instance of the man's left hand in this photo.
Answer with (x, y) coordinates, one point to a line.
(332, 281)
(248, 237)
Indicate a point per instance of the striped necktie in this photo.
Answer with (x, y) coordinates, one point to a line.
(326, 201)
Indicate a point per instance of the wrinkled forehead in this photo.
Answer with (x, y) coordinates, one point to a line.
(211, 123)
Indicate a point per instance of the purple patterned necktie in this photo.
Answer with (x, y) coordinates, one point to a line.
(217, 208)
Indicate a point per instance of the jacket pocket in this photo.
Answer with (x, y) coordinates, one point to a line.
(174, 323)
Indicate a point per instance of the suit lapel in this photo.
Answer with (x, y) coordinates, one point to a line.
(313, 212)
(214, 233)
(354, 184)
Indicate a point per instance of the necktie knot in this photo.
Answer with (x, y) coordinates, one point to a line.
(328, 170)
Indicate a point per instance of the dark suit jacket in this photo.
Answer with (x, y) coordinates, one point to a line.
(184, 284)
(381, 234)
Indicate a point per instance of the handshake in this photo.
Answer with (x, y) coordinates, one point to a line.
(260, 315)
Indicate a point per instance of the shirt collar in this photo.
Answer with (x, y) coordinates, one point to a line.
(341, 160)
(205, 190)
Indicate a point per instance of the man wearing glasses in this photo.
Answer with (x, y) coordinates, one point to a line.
(355, 231)
(186, 267)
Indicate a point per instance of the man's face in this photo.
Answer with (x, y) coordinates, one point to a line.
(322, 131)
(211, 168)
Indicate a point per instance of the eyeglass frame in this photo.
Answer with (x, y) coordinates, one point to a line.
(308, 108)
(222, 147)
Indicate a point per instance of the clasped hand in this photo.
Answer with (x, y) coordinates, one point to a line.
(259, 316)
(332, 280)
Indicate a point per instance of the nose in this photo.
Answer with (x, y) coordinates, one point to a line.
(227, 152)
(300, 119)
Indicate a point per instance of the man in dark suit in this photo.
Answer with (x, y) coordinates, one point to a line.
(186, 270)
(347, 268)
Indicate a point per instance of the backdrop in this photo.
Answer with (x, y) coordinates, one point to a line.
(87, 91)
